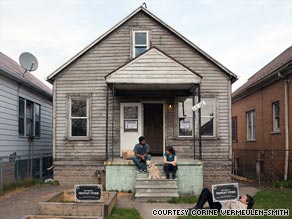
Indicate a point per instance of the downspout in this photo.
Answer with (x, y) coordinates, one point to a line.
(287, 81)
(106, 123)
(200, 123)
(194, 121)
(54, 121)
(113, 119)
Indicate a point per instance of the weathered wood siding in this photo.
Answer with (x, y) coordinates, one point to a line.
(10, 141)
(86, 75)
(157, 68)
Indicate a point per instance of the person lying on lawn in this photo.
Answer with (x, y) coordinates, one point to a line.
(244, 202)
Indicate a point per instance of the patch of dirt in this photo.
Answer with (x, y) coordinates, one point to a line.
(12, 193)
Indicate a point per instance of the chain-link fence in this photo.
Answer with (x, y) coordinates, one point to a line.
(16, 168)
(265, 167)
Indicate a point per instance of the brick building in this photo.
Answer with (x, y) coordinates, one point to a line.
(262, 121)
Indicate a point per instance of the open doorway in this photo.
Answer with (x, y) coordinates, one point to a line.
(153, 127)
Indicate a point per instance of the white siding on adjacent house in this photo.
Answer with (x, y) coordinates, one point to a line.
(10, 141)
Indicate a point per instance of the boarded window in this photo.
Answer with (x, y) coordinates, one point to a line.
(140, 42)
(79, 116)
(276, 116)
(251, 125)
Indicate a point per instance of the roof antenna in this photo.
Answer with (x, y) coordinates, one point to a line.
(144, 4)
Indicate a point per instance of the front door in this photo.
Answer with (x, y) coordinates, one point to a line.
(131, 125)
(153, 127)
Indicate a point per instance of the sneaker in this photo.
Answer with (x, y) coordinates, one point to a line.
(167, 177)
(145, 170)
(173, 177)
(140, 170)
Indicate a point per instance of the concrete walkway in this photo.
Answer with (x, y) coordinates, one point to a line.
(24, 202)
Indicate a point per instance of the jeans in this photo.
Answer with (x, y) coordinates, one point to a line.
(139, 164)
(168, 167)
(205, 196)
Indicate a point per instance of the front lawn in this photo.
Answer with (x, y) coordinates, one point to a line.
(264, 199)
(127, 213)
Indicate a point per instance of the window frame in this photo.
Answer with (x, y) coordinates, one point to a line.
(214, 120)
(214, 116)
(139, 45)
(253, 126)
(178, 122)
(276, 129)
(35, 104)
(25, 101)
(87, 137)
(234, 129)
(21, 117)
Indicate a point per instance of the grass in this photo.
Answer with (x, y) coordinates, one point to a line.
(127, 213)
(284, 184)
(183, 200)
(264, 199)
(23, 184)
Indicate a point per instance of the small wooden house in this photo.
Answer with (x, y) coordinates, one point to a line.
(140, 78)
(25, 123)
(262, 121)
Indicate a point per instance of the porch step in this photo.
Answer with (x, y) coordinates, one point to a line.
(155, 197)
(155, 190)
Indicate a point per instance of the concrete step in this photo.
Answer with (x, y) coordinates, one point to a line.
(154, 190)
(155, 197)
(162, 182)
(156, 186)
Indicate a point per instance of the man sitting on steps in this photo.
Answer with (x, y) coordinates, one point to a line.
(141, 151)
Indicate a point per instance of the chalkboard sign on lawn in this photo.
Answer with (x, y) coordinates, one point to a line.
(88, 193)
(225, 192)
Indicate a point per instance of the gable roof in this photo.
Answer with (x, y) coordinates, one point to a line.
(275, 65)
(232, 76)
(144, 70)
(12, 69)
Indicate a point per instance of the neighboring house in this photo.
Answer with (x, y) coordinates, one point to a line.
(262, 121)
(140, 78)
(25, 123)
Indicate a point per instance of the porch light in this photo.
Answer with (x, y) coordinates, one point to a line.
(169, 104)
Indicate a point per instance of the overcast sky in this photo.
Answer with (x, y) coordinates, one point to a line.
(243, 35)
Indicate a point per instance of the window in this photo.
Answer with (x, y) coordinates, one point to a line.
(251, 125)
(28, 118)
(37, 123)
(207, 118)
(21, 116)
(140, 42)
(79, 122)
(276, 116)
(185, 115)
(234, 129)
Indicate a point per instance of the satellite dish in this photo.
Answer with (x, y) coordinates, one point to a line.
(28, 61)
